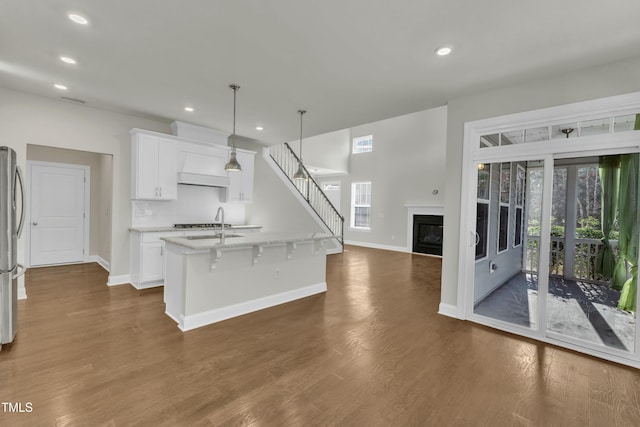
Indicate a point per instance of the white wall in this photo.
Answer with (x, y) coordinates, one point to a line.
(274, 206)
(598, 82)
(100, 190)
(28, 119)
(407, 163)
(105, 189)
(328, 151)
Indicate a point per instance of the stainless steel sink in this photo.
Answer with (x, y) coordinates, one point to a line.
(213, 236)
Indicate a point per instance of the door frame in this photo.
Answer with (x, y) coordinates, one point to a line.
(87, 207)
(611, 143)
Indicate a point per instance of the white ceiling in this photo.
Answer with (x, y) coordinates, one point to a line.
(347, 62)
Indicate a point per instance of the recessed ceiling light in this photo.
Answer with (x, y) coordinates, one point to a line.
(59, 86)
(67, 59)
(189, 109)
(442, 51)
(78, 19)
(259, 128)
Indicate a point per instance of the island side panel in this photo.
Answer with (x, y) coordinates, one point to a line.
(241, 283)
(174, 286)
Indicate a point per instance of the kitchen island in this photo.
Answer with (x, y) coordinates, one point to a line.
(209, 279)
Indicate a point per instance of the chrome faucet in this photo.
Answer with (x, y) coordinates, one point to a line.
(220, 217)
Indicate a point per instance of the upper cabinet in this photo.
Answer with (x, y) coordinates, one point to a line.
(153, 167)
(159, 163)
(241, 183)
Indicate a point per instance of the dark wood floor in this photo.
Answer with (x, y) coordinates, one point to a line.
(372, 351)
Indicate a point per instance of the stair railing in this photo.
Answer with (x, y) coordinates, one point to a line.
(288, 162)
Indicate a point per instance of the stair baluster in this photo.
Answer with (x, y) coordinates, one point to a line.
(288, 162)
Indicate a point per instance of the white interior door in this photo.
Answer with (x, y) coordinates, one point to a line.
(57, 214)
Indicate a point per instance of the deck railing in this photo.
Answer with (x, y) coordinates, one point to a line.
(288, 162)
(578, 262)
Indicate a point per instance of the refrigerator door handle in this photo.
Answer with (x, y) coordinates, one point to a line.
(18, 267)
(19, 175)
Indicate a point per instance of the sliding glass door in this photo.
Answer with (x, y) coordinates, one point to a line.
(552, 213)
(594, 254)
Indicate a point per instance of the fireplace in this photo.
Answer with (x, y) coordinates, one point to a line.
(427, 234)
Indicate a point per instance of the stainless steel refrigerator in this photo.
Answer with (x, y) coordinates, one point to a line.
(11, 193)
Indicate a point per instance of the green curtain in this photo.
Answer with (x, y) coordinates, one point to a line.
(628, 219)
(609, 179)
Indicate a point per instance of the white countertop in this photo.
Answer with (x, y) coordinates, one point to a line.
(158, 228)
(262, 239)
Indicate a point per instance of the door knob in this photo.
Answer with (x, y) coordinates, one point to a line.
(34, 223)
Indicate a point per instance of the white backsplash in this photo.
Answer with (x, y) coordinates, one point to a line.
(194, 205)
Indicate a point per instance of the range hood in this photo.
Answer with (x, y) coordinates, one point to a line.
(204, 169)
(187, 178)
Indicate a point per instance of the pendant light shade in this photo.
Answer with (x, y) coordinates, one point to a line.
(233, 165)
(300, 174)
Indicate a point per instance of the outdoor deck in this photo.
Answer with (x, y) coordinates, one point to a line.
(575, 308)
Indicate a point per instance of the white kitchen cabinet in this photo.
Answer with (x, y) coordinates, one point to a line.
(152, 265)
(147, 252)
(241, 183)
(153, 167)
(147, 258)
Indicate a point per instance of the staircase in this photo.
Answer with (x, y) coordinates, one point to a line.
(286, 160)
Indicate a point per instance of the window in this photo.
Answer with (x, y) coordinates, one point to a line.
(361, 205)
(482, 209)
(505, 193)
(555, 133)
(520, 186)
(363, 144)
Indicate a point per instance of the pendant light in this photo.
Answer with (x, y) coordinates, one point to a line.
(233, 165)
(300, 173)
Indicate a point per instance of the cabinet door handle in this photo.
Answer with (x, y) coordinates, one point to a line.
(161, 250)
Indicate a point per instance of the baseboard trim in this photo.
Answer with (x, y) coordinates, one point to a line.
(333, 251)
(103, 263)
(377, 246)
(194, 321)
(172, 318)
(97, 258)
(149, 285)
(124, 279)
(449, 310)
